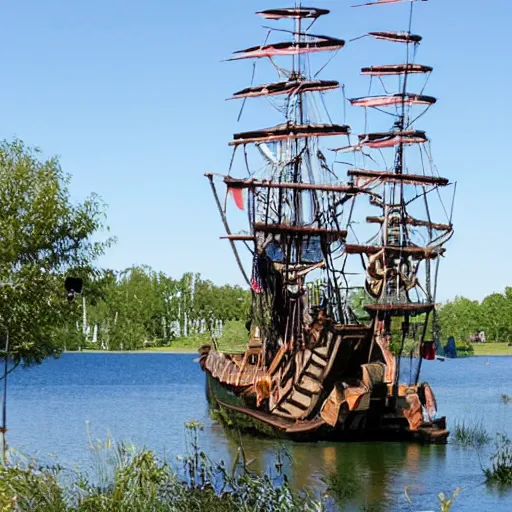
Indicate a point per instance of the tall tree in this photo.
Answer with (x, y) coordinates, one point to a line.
(44, 236)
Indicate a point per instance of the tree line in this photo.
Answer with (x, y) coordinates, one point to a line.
(139, 307)
(462, 318)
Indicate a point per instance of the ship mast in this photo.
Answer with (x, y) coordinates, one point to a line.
(394, 258)
(296, 201)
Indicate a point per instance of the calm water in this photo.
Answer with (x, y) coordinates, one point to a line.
(146, 398)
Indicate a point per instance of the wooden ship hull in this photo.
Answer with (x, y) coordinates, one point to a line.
(326, 392)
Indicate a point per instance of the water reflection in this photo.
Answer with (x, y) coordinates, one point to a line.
(354, 475)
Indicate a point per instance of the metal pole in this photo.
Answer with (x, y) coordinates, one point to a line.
(3, 429)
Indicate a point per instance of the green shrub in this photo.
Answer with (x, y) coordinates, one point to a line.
(464, 348)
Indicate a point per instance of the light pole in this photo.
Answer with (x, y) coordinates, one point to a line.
(3, 428)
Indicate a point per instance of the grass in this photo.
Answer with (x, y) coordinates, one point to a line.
(500, 471)
(492, 349)
(471, 435)
(234, 339)
(126, 479)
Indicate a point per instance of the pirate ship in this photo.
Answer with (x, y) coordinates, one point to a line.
(315, 367)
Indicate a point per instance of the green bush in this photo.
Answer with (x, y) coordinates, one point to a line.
(464, 348)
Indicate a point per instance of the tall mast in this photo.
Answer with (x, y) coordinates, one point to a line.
(299, 224)
(398, 260)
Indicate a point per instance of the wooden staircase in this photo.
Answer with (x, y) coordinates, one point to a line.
(296, 393)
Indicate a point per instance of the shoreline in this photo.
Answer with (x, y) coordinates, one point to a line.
(492, 349)
(479, 352)
(142, 351)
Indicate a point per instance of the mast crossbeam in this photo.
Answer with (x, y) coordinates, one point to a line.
(414, 251)
(396, 69)
(414, 179)
(289, 87)
(293, 13)
(290, 230)
(290, 48)
(252, 183)
(411, 221)
(289, 131)
(393, 100)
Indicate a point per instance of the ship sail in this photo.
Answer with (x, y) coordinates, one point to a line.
(313, 366)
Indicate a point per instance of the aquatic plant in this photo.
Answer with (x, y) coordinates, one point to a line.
(343, 487)
(126, 479)
(470, 435)
(500, 471)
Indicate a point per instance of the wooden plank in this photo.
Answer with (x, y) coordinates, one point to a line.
(259, 415)
(306, 426)
(318, 361)
(291, 409)
(300, 399)
(310, 385)
(314, 372)
(322, 352)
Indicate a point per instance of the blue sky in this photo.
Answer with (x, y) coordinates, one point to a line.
(130, 94)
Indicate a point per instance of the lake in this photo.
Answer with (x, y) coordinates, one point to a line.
(147, 398)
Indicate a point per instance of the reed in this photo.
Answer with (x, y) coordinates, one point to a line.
(126, 479)
(474, 435)
(500, 471)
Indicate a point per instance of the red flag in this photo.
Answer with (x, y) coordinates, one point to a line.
(237, 194)
(428, 351)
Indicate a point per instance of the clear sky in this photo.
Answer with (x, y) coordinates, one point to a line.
(130, 94)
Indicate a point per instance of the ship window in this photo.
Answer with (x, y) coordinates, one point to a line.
(312, 250)
(274, 252)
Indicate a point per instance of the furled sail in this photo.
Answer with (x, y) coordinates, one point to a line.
(393, 100)
(390, 139)
(395, 69)
(288, 87)
(293, 13)
(289, 130)
(289, 48)
(396, 37)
